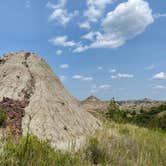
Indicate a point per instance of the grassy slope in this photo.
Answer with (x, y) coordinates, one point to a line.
(116, 144)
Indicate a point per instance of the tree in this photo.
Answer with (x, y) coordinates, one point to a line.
(114, 113)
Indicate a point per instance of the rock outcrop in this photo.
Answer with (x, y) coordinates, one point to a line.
(93, 104)
(37, 102)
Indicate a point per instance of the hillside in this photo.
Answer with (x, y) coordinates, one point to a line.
(36, 102)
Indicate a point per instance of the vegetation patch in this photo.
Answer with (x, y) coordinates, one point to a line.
(146, 118)
(3, 116)
(11, 114)
(116, 144)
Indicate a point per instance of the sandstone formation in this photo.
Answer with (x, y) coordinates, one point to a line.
(37, 102)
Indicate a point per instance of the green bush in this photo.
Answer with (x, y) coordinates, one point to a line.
(158, 122)
(148, 118)
(3, 116)
(115, 114)
(151, 118)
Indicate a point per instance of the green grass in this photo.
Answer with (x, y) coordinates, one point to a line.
(30, 151)
(116, 144)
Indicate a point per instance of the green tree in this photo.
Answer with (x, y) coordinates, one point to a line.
(114, 113)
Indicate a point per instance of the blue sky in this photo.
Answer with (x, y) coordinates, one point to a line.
(107, 48)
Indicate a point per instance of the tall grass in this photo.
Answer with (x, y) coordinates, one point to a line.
(114, 145)
(30, 151)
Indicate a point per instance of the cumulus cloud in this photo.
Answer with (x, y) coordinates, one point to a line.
(125, 22)
(99, 88)
(91, 35)
(160, 76)
(64, 66)
(59, 52)
(62, 41)
(120, 75)
(82, 78)
(60, 14)
(84, 25)
(128, 20)
(80, 48)
(96, 9)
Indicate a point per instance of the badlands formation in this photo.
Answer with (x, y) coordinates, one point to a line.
(36, 102)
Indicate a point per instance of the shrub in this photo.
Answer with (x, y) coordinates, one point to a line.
(115, 114)
(3, 116)
(158, 122)
(148, 118)
(151, 118)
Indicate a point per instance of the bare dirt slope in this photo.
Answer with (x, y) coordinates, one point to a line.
(50, 112)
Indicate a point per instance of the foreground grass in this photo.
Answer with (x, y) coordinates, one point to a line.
(115, 145)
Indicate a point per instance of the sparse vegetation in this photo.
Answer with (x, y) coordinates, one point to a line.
(3, 116)
(116, 144)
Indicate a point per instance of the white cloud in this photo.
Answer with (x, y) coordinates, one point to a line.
(125, 22)
(62, 41)
(84, 25)
(159, 15)
(160, 76)
(95, 9)
(100, 88)
(87, 78)
(100, 68)
(77, 77)
(112, 70)
(82, 78)
(151, 67)
(60, 14)
(64, 66)
(128, 20)
(91, 35)
(79, 48)
(63, 78)
(59, 52)
(120, 75)
(159, 87)
(104, 86)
